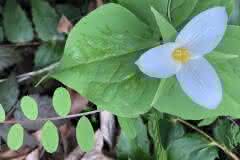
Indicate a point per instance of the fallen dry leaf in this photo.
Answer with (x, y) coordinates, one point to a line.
(64, 25)
(34, 155)
(76, 154)
(79, 103)
(107, 126)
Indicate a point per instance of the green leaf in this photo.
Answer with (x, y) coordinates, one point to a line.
(71, 12)
(99, 58)
(235, 16)
(1, 34)
(15, 137)
(45, 20)
(62, 101)
(29, 107)
(191, 147)
(47, 54)
(228, 71)
(167, 31)
(49, 137)
(154, 130)
(137, 148)
(227, 133)
(162, 6)
(16, 24)
(206, 4)
(207, 121)
(9, 93)
(85, 134)
(2, 114)
(8, 57)
(181, 10)
(128, 126)
(141, 8)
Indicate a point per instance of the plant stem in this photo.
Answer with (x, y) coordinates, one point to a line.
(25, 76)
(51, 118)
(213, 142)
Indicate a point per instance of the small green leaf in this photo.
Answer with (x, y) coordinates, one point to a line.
(154, 130)
(15, 137)
(207, 121)
(47, 54)
(206, 4)
(1, 34)
(137, 148)
(85, 134)
(227, 133)
(8, 57)
(29, 107)
(16, 24)
(45, 19)
(191, 147)
(71, 12)
(167, 31)
(128, 125)
(141, 8)
(49, 137)
(2, 114)
(9, 93)
(62, 101)
(181, 10)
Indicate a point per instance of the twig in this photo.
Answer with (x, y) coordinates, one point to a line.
(51, 118)
(25, 76)
(213, 142)
(21, 44)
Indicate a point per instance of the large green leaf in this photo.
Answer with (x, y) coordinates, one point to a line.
(172, 99)
(192, 147)
(16, 24)
(99, 58)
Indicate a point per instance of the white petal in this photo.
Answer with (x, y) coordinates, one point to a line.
(200, 82)
(158, 62)
(204, 32)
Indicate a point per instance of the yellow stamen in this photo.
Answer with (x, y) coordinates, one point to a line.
(181, 55)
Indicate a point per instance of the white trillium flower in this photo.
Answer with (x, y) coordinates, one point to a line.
(184, 57)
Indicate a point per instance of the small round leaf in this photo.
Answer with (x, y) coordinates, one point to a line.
(49, 137)
(2, 114)
(62, 101)
(85, 134)
(29, 107)
(15, 137)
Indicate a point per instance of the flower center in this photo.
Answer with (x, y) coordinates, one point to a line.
(181, 55)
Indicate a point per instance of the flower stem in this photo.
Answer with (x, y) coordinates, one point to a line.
(213, 142)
